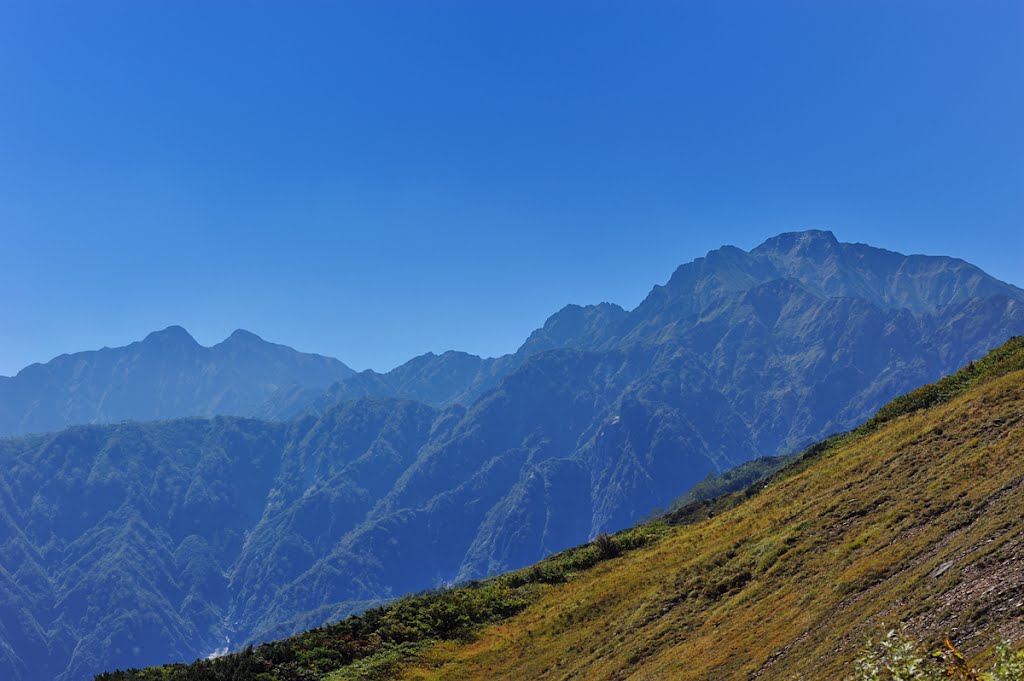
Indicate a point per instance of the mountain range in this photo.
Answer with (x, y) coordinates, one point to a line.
(165, 375)
(133, 543)
(909, 523)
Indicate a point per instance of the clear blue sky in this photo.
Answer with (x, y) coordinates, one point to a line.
(373, 180)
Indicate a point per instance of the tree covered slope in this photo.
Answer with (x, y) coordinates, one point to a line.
(128, 543)
(913, 517)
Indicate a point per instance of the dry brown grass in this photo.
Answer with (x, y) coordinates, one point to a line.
(917, 521)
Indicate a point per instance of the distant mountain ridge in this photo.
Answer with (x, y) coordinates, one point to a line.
(246, 376)
(166, 375)
(160, 541)
(813, 260)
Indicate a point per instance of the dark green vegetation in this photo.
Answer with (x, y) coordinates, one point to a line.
(1004, 359)
(166, 375)
(133, 544)
(741, 477)
(784, 580)
(119, 539)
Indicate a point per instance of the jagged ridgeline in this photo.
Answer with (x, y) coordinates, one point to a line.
(165, 375)
(913, 517)
(131, 544)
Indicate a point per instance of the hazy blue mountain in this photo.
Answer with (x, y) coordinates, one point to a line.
(166, 375)
(438, 380)
(451, 377)
(577, 442)
(821, 265)
(139, 543)
(814, 260)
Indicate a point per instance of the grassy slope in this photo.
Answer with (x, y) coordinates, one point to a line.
(916, 515)
(918, 519)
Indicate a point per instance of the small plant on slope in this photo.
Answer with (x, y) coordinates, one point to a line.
(606, 546)
(896, 658)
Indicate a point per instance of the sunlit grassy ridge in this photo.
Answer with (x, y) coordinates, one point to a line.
(915, 516)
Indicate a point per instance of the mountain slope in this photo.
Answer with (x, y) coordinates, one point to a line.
(897, 295)
(246, 376)
(166, 375)
(914, 517)
(135, 541)
(453, 377)
(917, 521)
(727, 362)
(602, 416)
(589, 441)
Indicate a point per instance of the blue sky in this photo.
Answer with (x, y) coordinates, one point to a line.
(373, 180)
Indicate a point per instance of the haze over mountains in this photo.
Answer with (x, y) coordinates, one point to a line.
(165, 375)
(135, 543)
(168, 374)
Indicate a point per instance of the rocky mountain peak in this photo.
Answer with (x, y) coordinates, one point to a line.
(240, 337)
(807, 242)
(171, 336)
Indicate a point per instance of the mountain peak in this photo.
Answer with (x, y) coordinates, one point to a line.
(811, 240)
(241, 336)
(724, 253)
(172, 335)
